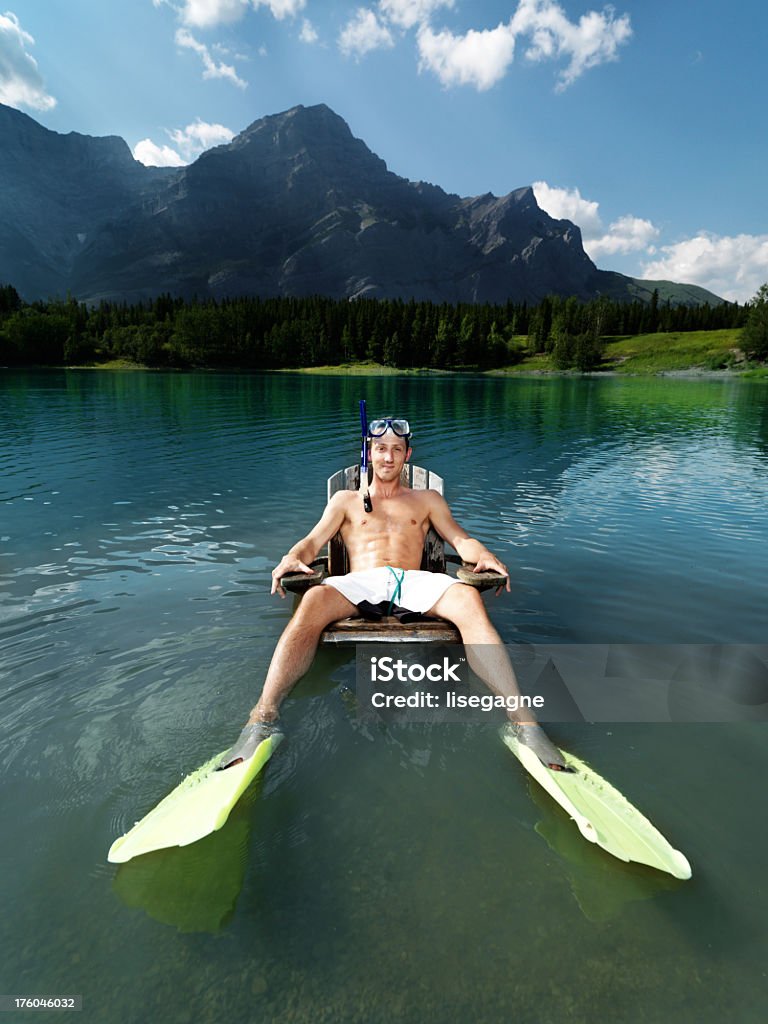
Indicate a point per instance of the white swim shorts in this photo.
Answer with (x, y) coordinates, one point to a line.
(373, 590)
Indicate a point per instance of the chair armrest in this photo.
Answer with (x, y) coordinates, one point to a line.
(487, 580)
(300, 582)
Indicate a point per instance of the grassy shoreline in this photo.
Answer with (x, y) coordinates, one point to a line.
(691, 354)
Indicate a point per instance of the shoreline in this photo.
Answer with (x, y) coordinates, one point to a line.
(692, 372)
(344, 370)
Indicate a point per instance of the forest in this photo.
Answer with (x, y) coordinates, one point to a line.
(284, 333)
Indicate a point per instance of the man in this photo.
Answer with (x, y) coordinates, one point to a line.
(384, 549)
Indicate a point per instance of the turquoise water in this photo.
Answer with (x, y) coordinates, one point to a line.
(374, 873)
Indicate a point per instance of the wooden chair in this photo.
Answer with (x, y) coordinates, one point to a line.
(356, 629)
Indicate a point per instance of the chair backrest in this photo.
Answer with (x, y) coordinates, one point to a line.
(416, 477)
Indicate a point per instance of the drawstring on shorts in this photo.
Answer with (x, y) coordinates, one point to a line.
(396, 592)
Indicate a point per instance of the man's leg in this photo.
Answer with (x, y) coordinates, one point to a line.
(292, 657)
(489, 660)
(296, 647)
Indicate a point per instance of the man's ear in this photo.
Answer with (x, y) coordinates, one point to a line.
(408, 454)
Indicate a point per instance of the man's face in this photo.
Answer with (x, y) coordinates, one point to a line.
(388, 455)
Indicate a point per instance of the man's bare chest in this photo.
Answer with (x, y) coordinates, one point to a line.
(402, 516)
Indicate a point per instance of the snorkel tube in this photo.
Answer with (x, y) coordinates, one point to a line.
(367, 503)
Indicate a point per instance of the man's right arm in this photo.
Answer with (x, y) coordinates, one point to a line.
(305, 550)
(469, 549)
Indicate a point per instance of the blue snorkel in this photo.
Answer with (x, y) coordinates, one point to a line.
(367, 503)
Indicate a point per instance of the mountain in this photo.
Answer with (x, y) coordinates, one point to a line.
(56, 193)
(294, 205)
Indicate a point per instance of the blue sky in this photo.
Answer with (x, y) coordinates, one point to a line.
(642, 122)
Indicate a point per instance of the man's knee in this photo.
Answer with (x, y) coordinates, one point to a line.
(461, 602)
(468, 597)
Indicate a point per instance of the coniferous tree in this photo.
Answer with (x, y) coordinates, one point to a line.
(393, 351)
(754, 338)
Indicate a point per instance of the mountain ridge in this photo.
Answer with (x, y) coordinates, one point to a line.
(295, 204)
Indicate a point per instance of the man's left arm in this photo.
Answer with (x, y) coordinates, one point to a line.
(467, 548)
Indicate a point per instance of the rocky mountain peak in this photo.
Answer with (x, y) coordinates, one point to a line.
(294, 205)
(313, 138)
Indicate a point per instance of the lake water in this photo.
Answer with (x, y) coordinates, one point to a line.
(374, 873)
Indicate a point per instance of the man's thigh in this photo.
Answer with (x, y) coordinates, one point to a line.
(459, 604)
(321, 605)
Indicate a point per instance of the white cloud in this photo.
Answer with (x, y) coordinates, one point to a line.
(308, 32)
(475, 58)
(626, 235)
(199, 136)
(363, 33)
(190, 142)
(481, 57)
(282, 8)
(21, 84)
(594, 40)
(568, 204)
(733, 267)
(409, 13)
(209, 13)
(148, 153)
(210, 68)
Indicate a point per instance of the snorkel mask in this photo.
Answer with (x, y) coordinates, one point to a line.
(400, 427)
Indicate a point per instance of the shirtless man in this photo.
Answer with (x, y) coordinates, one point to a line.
(380, 545)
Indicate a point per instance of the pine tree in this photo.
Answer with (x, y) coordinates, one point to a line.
(754, 337)
(444, 346)
(394, 351)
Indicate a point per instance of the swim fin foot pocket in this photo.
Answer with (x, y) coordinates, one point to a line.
(534, 737)
(244, 747)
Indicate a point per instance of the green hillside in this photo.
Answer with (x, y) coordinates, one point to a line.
(651, 353)
(657, 353)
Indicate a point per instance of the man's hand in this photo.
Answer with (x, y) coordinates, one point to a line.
(490, 562)
(287, 564)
